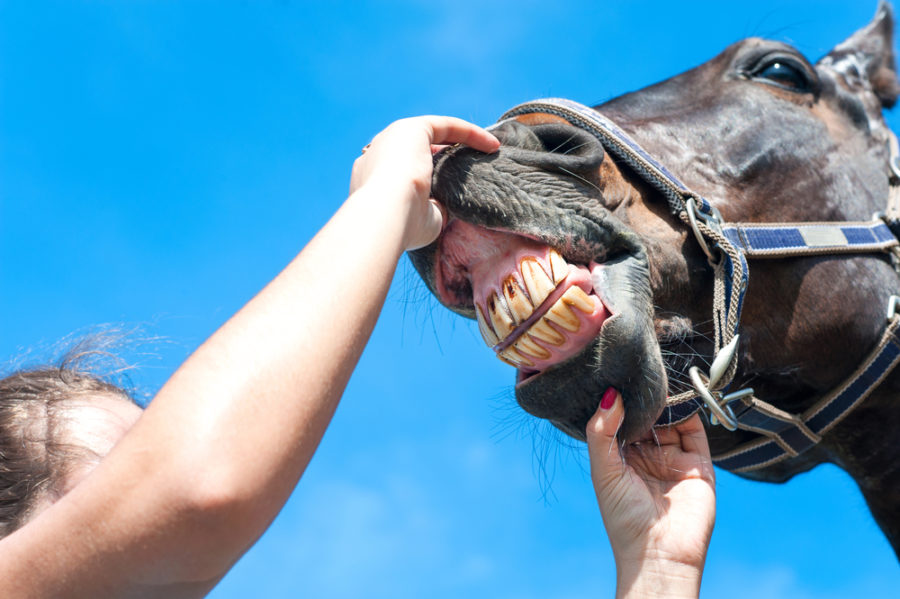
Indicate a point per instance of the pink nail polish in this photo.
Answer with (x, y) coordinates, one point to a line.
(608, 399)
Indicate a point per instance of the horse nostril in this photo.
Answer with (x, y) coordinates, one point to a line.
(551, 146)
(566, 139)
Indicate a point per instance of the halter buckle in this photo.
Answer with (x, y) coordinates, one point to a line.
(712, 219)
(894, 163)
(893, 303)
(894, 155)
(720, 411)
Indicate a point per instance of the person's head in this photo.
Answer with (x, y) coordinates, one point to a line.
(56, 423)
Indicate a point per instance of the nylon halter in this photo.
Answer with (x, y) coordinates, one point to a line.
(727, 247)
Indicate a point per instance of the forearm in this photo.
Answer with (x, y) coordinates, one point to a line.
(253, 402)
(222, 445)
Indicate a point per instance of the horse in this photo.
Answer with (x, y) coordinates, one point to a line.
(613, 246)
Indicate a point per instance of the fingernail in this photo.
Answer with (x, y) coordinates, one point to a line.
(608, 399)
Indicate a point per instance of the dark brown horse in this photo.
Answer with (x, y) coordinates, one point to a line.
(583, 277)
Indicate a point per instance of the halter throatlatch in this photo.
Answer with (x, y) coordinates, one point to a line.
(727, 247)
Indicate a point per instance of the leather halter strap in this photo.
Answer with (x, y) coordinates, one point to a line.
(727, 246)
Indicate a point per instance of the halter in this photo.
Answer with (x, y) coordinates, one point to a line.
(727, 247)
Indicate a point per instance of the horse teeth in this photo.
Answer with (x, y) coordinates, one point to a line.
(576, 297)
(537, 282)
(542, 331)
(526, 346)
(514, 358)
(559, 265)
(487, 333)
(562, 315)
(500, 318)
(519, 306)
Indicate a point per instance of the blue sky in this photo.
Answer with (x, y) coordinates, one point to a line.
(161, 161)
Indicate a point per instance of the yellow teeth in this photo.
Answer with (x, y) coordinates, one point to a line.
(513, 305)
(542, 331)
(514, 358)
(503, 323)
(487, 333)
(576, 297)
(519, 306)
(560, 267)
(526, 346)
(537, 282)
(560, 314)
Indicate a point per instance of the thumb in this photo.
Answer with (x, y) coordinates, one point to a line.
(607, 464)
(431, 227)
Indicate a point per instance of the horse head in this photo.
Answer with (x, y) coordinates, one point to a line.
(581, 276)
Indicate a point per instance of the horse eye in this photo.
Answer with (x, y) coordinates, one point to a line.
(784, 74)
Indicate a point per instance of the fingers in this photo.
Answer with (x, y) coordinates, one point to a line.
(693, 436)
(607, 464)
(451, 130)
(441, 131)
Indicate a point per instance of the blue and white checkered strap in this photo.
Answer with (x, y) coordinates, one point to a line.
(765, 240)
(787, 435)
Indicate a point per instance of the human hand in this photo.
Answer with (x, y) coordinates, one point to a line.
(657, 498)
(397, 165)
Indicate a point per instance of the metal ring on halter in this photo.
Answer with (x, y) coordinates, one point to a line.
(691, 206)
(893, 302)
(723, 414)
(894, 156)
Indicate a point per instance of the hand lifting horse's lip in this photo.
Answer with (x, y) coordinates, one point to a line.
(533, 308)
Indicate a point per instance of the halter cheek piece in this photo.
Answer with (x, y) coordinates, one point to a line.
(781, 435)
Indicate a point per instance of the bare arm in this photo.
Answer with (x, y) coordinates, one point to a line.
(217, 453)
(658, 502)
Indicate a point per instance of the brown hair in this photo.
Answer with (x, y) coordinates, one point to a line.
(35, 452)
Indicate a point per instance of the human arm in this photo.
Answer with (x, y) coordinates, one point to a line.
(215, 456)
(657, 499)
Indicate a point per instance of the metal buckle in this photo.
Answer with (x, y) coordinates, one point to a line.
(894, 163)
(893, 302)
(894, 155)
(720, 411)
(713, 220)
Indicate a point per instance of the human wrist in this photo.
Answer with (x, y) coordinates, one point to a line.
(380, 213)
(417, 219)
(394, 188)
(657, 577)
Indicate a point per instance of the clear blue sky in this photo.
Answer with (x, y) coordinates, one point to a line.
(161, 161)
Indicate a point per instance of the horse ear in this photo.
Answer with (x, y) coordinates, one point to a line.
(870, 52)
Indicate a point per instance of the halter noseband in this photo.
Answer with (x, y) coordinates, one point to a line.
(727, 246)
